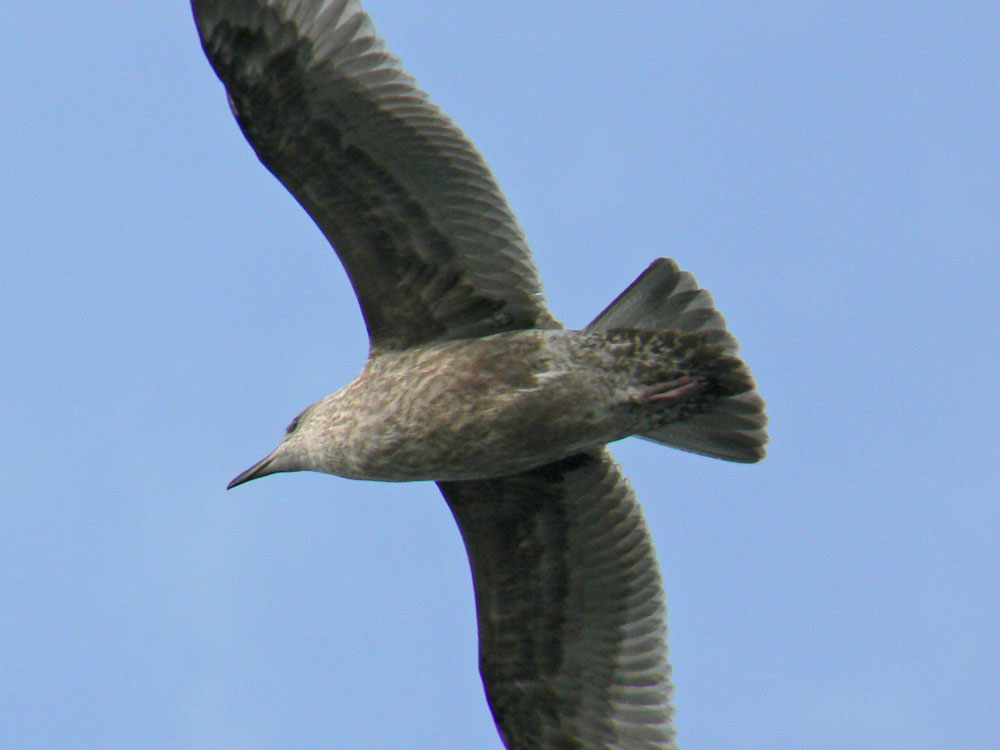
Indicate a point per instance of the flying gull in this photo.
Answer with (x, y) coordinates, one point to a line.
(471, 382)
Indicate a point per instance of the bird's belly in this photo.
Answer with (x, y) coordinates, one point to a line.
(493, 434)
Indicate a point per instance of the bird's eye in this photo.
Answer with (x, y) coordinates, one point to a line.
(291, 428)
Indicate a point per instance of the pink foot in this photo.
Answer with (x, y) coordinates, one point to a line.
(673, 390)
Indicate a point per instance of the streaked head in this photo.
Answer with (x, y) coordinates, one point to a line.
(290, 455)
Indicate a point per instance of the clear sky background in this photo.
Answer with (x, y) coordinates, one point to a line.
(830, 171)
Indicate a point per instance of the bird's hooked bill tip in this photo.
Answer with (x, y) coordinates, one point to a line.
(238, 480)
(257, 470)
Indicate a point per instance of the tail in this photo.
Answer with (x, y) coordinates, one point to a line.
(666, 298)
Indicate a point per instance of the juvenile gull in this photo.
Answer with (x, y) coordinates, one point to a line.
(472, 383)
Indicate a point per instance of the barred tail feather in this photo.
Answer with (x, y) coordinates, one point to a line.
(666, 298)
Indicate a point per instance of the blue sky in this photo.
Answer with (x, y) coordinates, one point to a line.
(831, 172)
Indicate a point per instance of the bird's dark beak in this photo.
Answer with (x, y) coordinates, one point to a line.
(260, 469)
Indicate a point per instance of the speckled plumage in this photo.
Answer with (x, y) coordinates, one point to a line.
(477, 408)
(471, 381)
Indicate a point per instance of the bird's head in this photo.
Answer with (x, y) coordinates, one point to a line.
(292, 453)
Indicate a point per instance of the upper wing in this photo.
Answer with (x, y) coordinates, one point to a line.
(572, 641)
(430, 245)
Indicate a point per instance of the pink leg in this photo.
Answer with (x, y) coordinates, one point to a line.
(673, 390)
